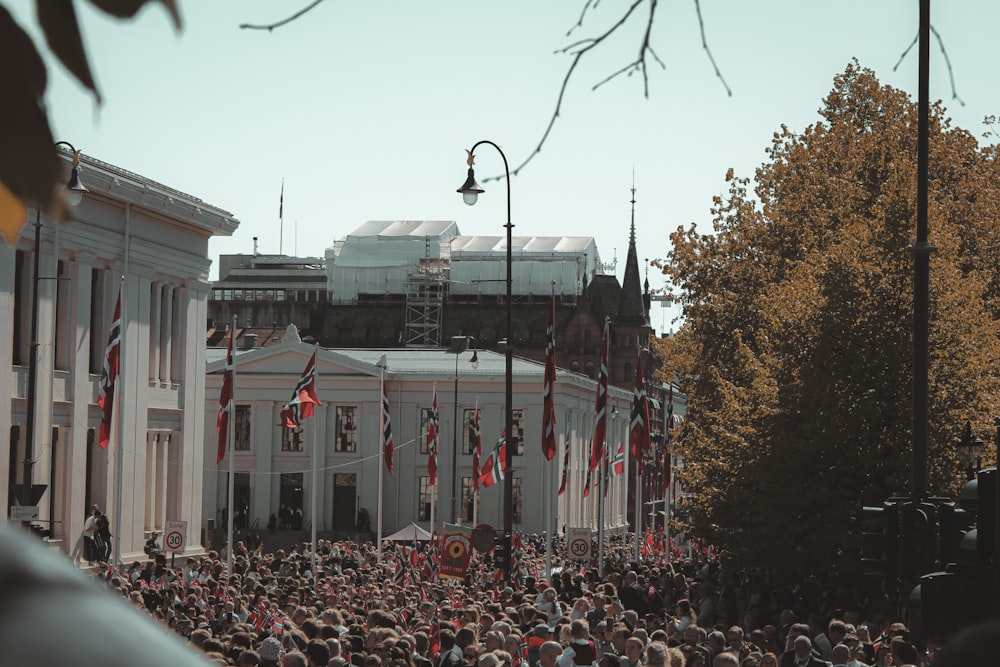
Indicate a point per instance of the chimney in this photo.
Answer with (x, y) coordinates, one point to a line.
(249, 341)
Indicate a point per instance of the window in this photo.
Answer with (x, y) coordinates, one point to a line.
(468, 500)
(424, 501)
(517, 431)
(468, 438)
(518, 510)
(347, 430)
(588, 370)
(425, 421)
(291, 439)
(241, 432)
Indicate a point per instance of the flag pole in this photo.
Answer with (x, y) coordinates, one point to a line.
(381, 463)
(315, 485)
(547, 509)
(119, 451)
(638, 512)
(602, 471)
(230, 439)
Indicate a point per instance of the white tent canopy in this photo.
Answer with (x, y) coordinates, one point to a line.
(409, 534)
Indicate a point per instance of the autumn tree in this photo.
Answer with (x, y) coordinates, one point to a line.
(796, 347)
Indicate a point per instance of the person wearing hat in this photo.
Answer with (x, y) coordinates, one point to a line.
(539, 635)
(270, 652)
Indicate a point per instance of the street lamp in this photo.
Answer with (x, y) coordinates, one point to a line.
(459, 344)
(973, 445)
(28, 494)
(470, 193)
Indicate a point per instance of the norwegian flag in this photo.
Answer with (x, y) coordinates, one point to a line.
(618, 462)
(226, 399)
(278, 625)
(303, 398)
(601, 405)
(109, 374)
(565, 471)
(548, 404)
(477, 450)
(495, 464)
(587, 483)
(432, 440)
(388, 447)
(639, 422)
(400, 571)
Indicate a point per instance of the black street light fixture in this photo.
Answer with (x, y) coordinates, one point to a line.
(28, 494)
(470, 193)
(974, 446)
(459, 344)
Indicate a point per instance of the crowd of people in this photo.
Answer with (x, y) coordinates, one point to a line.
(361, 609)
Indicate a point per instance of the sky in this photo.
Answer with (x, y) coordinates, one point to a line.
(366, 108)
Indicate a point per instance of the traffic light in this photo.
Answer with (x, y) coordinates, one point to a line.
(916, 531)
(954, 522)
(880, 540)
(500, 552)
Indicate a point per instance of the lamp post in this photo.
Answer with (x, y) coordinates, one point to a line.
(459, 344)
(470, 192)
(28, 493)
(973, 446)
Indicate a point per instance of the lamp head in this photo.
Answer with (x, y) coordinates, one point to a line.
(75, 188)
(470, 189)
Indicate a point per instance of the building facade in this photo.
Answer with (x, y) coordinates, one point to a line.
(149, 242)
(274, 465)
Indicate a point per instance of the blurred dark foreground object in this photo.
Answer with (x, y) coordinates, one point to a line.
(53, 614)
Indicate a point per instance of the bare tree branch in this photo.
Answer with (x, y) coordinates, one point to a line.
(639, 64)
(947, 62)
(704, 44)
(272, 26)
(581, 47)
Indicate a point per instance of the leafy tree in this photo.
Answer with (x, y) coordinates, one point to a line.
(796, 347)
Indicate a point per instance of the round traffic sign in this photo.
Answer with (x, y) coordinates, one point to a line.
(174, 540)
(579, 548)
(483, 538)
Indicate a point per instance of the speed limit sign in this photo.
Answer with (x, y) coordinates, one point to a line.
(175, 535)
(578, 543)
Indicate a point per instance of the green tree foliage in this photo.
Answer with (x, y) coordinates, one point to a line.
(796, 351)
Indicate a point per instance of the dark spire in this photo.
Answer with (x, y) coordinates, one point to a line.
(631, 309)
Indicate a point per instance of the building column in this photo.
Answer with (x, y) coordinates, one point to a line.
(154, 331)
(166, 332)
(152, 439)
(162, 468)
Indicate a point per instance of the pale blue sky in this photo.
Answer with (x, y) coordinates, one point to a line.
(366, 107)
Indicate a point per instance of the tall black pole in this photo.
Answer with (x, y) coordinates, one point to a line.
(29, 431)
(471, 188)
(921, 267)
(454, 448)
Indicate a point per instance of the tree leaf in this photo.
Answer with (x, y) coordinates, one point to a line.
(57, 19)
(126, 9)
(30, 171)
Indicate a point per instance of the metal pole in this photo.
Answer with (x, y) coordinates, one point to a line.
(230, 439)
(454, 450)
(921, 268)
(29, 431)
(381, 464)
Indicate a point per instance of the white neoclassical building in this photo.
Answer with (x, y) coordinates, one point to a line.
(274, 465)
(153, 242)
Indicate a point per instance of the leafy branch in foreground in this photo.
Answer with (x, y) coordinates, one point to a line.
(29, 166)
